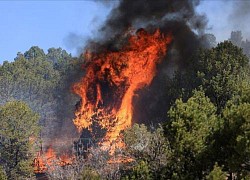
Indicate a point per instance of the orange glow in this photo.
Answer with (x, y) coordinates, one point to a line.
(111, 80)
(49, 159)
(120, 160)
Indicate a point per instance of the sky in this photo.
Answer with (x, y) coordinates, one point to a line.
(47, 24)
(67, 24)
(217, 13)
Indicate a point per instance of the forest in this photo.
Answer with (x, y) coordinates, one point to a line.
(152, 94)
(203, 132)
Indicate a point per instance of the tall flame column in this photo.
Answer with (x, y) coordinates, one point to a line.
(112, 78)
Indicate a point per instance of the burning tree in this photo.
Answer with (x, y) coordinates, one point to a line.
(111, 80)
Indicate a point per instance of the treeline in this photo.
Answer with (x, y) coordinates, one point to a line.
(43, 82)
(40, 83)
(205, 133)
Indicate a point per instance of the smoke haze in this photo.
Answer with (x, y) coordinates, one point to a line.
(239, 17)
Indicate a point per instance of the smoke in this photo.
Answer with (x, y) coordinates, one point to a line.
(239, 17)
(226, 16)
(76, 42)
(178, 17)
(143, 12)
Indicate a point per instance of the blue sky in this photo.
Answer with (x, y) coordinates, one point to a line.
(218, 12)
(46, 24)
(67, 24)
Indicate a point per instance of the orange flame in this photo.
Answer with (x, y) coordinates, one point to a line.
(111, 80)
(49, 159)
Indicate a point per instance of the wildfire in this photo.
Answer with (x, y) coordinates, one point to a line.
(49, 159)
(111, 80)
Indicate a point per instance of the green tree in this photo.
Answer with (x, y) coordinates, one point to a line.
(44, 83)
(223, 74)
(33, 53)
(219, 71)
(19, 130)
(58, 57)
(149, 148)
(27, 80)
(2, 174)
(189, 129)
(216, 174)
(140, 171)
(33, 81)
(231, 143)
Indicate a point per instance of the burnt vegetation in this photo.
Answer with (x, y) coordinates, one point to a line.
(191, 121)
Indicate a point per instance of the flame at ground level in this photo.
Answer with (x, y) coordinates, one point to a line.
(111, 80)
(48, 160)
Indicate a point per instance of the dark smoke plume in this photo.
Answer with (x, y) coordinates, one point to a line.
(176, 16)
(179, 18)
